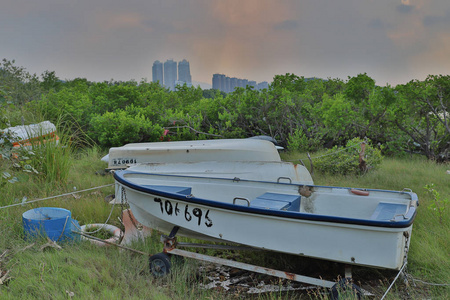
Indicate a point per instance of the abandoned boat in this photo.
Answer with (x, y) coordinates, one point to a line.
(27, 136)
(249, 170)
(191, 151)
(352, 226)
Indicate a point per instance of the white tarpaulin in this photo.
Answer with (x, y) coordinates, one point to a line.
(26, 135)
(26, 132)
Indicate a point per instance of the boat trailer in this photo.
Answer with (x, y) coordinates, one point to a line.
(160, 265)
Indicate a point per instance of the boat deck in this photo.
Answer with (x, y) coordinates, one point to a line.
(328, 201)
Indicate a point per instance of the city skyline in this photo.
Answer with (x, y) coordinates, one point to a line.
(393, 41)
(166, 74)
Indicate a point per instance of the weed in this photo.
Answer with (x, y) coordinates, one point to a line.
(92, 272)
(438, 205)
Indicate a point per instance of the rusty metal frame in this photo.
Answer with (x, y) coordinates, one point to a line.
(170, 245)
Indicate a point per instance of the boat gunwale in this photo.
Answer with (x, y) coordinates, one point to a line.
(119, 176)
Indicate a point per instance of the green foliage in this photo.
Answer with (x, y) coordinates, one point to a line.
(439, 205)
(88, 271)
(347, 160)
(7, 178)
(72, 103)
(298, 141)
(49, 158)
(17, 86)
(358, 88)
(338, 115)
(113, 129)
(50, 81)
(303, 114)
(421, 113)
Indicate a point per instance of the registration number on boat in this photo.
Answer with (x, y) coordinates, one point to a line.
(197, 214)
(123, 161)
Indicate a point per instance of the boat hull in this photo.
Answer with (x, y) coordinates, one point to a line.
(344, 242)
(248, 170)
(192, 151)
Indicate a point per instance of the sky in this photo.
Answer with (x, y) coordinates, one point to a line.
(393, 41)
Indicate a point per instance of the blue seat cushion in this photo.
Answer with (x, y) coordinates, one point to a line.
(171, 189)
(277, 201)
(388, 211)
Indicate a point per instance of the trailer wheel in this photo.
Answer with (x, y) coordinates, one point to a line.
(159, 264)
(345, 288)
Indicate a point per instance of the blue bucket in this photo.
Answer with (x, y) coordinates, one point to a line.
(53, 222)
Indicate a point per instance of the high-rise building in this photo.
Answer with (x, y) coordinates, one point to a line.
(157, 72)
(170, 74)
(223, 83)
(184, 72)
(216, 82)
(226, 84)
(233, 83)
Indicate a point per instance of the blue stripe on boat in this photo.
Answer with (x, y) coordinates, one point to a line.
(407, 221)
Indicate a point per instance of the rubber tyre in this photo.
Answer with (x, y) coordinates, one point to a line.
(159, 265)
(345, 287)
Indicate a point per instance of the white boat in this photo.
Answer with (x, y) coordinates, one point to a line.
(351, 226)
(276, 171)
(192, 151)
(27, 136)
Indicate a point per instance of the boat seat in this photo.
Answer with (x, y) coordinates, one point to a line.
(171, 189)
(277, 202)
(387, 211)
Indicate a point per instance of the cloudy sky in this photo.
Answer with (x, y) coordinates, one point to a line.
(393, 41)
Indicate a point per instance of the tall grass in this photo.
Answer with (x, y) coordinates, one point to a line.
(428, 257)
(91, 272)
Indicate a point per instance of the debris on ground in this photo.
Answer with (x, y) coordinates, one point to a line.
(50, 244)
(4, 273)
(240, 281)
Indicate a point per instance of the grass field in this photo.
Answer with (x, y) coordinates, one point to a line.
(85, 271)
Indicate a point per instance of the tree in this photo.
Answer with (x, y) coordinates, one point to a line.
(17, 86)
(50, 81)
(422, 114)
(359, 88)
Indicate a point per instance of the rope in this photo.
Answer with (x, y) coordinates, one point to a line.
(64, 228)
(104, 224)
(389, 288)
(333, 153)
(194, 130)
(343, 149)
(412, 278)
(57, 196)
(426, 283)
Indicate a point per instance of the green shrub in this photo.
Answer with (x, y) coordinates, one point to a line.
(346, 160)
(298, 141)
(113, 129)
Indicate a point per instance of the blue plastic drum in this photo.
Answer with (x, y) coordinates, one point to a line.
(53, 222)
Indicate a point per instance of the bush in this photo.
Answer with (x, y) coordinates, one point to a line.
(346, 160)
(114, 129)
(298, 141)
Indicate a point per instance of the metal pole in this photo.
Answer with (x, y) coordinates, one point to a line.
(252, 268)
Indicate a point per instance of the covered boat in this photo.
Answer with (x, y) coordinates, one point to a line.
(27, 136)
(192, 151)
(276, 171)
(352, 226)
